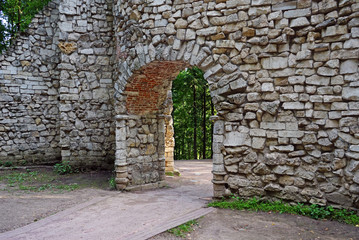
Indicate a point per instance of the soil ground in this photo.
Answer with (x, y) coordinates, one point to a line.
(224, 224)
(25, 198)
(20, 207)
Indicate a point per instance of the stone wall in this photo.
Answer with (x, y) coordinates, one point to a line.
(140, 151)
(283, 77)
(57, 89)
(87, 126)
(29, 81)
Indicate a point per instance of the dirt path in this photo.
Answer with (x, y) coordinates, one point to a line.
(21, 207)
(154, 208)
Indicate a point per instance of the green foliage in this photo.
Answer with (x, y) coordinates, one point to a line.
(8, 164)
(313, 211)
(112, 182)
(192, 107)
(64, 168)
(18, 15)
(183, 229)
(171, 174)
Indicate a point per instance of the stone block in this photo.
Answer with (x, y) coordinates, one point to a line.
(317, 80)
(208, 31)
(305, 12)
(272, 125)
(283, 170)
(285, 6)
(339, 198)
(225, 43)
(258, 143)
(234, 139)
(267, 87)
(274, 63)
(291, 134)
(349, 66)
(299, 22)
(293, 105)
(334, 30)
(349, 93)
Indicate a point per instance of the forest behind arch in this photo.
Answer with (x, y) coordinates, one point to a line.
(192, 108)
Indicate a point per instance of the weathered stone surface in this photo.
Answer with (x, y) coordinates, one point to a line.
(339, 198)
(234, 139)
(283, 170)
(349, 93)
(67, 47)
(274, 63)
(299, 22)
(349, 66)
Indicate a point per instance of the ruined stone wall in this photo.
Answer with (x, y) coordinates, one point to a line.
(87, 124)
(57, 88)
(283, 77)
(29, 80)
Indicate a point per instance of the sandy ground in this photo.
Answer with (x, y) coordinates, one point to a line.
(19, 208)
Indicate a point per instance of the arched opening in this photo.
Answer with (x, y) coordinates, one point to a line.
(145, 136)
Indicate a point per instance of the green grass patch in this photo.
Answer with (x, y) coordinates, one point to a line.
(171, 174)
(183, 229)
(34, 181)
(313, 211)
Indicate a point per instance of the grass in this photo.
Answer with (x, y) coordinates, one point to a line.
(112, 182)
(64, 168)
(313, 211)
(171, 174)
(183, 229)
(34, 181)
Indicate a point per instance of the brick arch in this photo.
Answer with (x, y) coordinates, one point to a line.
(147, 88)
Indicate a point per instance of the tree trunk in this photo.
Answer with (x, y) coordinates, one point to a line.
(18, 24)
(212, 113)
(194, 122)
(204, 140)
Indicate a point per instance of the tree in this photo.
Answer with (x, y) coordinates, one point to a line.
(191, 112)
(15, 17)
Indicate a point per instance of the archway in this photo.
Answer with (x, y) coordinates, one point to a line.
(142, 140)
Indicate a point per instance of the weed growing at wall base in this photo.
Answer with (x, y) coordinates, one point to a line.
(313, 211)
(112, 183)
(63, 168)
